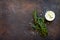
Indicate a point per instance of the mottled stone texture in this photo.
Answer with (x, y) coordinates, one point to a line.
(16, 19)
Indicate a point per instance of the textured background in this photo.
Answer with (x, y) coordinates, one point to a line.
(16, 19)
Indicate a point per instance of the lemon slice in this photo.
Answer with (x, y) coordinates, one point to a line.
(50, 15)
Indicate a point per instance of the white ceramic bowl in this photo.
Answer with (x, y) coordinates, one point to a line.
(50, 15)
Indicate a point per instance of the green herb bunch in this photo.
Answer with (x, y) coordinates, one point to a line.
(39, 25)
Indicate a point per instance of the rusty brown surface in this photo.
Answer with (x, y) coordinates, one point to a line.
(16, 19)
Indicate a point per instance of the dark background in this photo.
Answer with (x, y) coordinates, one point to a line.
(16, 19)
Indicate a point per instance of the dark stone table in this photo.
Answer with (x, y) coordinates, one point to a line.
(16, 19)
